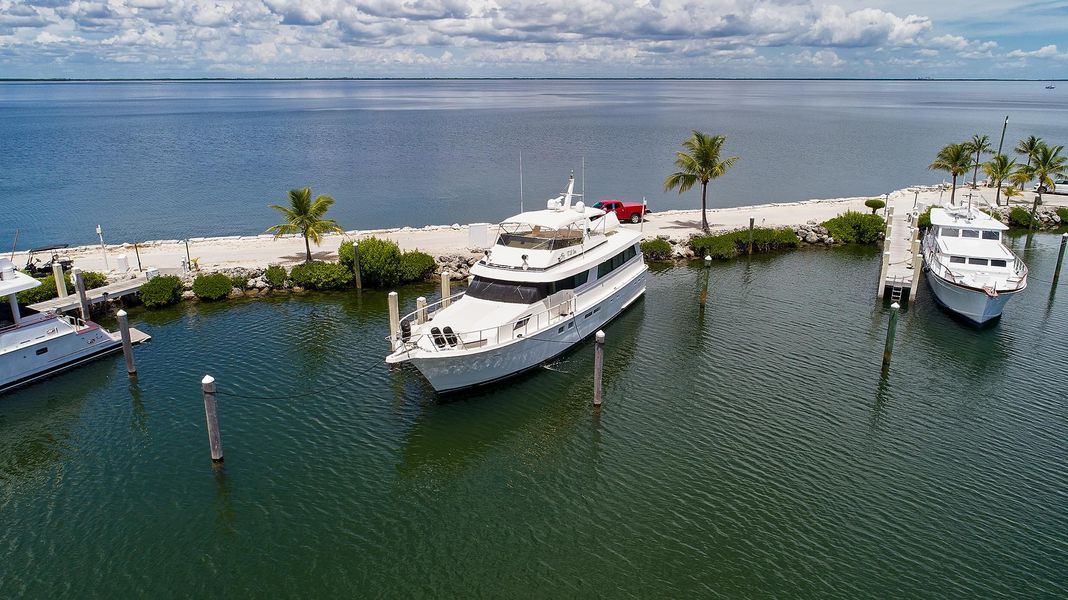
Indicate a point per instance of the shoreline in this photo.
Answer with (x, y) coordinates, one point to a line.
(454, 242)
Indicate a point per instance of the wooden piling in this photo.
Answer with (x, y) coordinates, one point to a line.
(420, 310)
(207, 386)
(356, 264)
(445, 292)
(917, 276)
(598, 367)
(61, 283)
(882, 275)
(79, 287)
(127, 344)
(708, 274)
(1060, 259)
(752, 220)
(137, 253)
(891, 332)
(394, 320)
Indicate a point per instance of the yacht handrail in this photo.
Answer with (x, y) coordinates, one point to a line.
(530, 321)
(1012, 283)
(414, 313)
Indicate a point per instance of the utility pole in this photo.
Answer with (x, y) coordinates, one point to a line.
(1003, 128)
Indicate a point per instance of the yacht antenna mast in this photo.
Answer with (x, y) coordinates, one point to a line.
(583, 193)
(520, 181)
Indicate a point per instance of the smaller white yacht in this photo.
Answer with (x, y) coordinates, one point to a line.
(36, 345)
(553, 278)
(970, 269)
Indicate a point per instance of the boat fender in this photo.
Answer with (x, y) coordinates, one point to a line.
(406, 330)
(450, 336)
(439, 340)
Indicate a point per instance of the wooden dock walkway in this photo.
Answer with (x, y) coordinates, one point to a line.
(902, 261)
(95, 296)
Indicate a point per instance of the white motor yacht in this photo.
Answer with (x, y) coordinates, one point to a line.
(970, 269)
(552, 278)
(36, 345)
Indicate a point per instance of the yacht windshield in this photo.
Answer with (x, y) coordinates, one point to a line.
(514, 292)
(521, 235)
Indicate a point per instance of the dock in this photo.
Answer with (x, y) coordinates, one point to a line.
(136, 336)
(902, 260)
(95, 296)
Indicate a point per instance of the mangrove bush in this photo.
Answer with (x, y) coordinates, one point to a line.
(161, 291)
(275, 276)
(856, 228)
(380, 262)
(733, 243)
(212, 287)
(1019, 217)
(321, 276)
(656, 249)
(416, 266)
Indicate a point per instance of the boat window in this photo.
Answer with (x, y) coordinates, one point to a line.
(997, 262)
(569, 283)
(957, 259)
(969, 233)
(41, 351)
(521, 235)
(515, 292)
(615, 262)
(991, 235)
(949, 232)
(977, 261)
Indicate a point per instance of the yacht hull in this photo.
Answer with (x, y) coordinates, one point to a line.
(970, 303)
(457, 372)
(32, 362)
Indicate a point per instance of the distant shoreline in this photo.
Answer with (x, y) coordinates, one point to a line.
(199, 79)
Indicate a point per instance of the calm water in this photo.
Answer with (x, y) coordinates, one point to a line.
(173, 160)
(753, 452)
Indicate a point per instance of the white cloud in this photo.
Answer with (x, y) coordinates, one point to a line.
(469, 37)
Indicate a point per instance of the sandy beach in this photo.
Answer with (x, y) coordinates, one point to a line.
(262, 250)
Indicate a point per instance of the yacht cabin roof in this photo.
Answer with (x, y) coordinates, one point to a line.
(973, 248)
(554, 219)
(12, 280)
(960, 217)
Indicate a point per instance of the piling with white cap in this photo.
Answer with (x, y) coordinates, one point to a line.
(708, 271)
(207, 387)
(752, 221)
(598, 367)
(891, 331)
(1060, 259)
(127, 344)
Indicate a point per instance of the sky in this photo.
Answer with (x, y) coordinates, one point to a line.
(547, 38)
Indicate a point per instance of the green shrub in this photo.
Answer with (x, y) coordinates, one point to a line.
(380, 262)
(1019, 217)
(656, 249)
(856, 228)
(275, 276)
(874, 204)
(45, 291)
(733, 243)
(91, 279)
(1062, 212)
(211, 287)
(161, 291)
(346, 254)
(924, 220)
(321, 276)
(416, 266)
(239, 281)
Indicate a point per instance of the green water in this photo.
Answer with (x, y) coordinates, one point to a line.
(754, 451)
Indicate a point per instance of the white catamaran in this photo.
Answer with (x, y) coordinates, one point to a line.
(553, 277)
(971, 271)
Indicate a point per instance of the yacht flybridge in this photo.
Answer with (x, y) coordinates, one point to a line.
(971, 271)
(35, 345)
(552, 278)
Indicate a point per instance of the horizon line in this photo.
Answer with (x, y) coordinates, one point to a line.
(195, 79)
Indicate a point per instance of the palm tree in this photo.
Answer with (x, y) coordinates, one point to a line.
(702, 163)
(955, 159)
(1028, 147)
(978, 144)
(1010, 193)
(1047, 165)
(305, 216)
(999, 169)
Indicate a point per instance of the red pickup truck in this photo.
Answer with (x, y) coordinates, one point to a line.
(625, 211)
